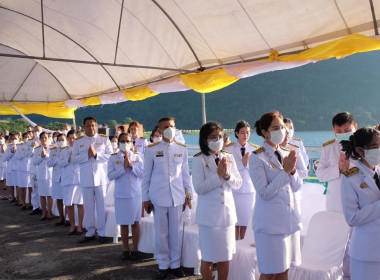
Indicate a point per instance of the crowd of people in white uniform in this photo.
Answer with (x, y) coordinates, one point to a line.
(232, 180)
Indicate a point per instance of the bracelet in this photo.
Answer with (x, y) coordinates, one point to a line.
(227, 177)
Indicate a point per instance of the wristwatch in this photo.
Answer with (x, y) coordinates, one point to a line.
(227, 177)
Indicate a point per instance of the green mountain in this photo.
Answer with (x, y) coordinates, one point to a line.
(309, 95)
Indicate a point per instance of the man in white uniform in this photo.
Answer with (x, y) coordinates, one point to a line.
(331, 165)
(165, 182)
(92, 152)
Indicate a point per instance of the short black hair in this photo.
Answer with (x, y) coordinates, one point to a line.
(42, 134)
(61, 134)
(152, 133)
(287, 120)
(166, 119)
(240, 125)
(89, 118)
(265, 121)
(123, 134)
(342, 118)
(361, 138)
(204, 133)
(70, 132)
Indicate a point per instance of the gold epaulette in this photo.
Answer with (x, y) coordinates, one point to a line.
(351, 171)
(64, 147)
(114, 154)
(52, 147)
(153, 144)
(259, 150)
(297, 139)
(19, 143)
(227, 152)
(142, 138)
(285, 149)
(198, 154)
(230, 144)
(79, 137)
(103, 135)
(38, 147)
(183, 145)
(254, 145)
(294, 145)
(136, 153)
(329, 142)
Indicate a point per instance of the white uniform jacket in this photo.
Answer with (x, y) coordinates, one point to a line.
(301, 165)
(275, 211)
(3, 163)
(70, 171)
(328, 171)
(24, 155)
(93, 171)
(140, 145)
(127, 181)
(53, 162)
(44, 172)
(216, 206)
(10, 159)
(235, 150)
(166, 174)
(298, 142)
(361, 209)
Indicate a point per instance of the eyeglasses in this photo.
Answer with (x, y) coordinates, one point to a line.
(215, 138)
(125, 141)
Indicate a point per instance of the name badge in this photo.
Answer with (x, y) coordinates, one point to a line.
(271, 165)
(159, 153)
(178, 155)
(99, 144)
(81, 146)
(117, 162)
(363, 185)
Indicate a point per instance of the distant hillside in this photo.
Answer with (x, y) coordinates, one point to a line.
(309, 95)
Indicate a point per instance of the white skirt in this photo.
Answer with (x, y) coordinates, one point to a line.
(57, 190)
(11, 179)
(217, 244)
(277, 252)
(44, 187)
(244, 203)
(23, 179)
(72, 194)
(364, 270)
(128, 210)
(3, 172)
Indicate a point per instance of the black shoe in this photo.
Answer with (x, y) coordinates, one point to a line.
(72, 232)
(162, 273)
(102, 239)
(35, 212)
(59, 224)
(23, 208)
(125, 255)
(86, 239)
(134, 256)
(178, 272)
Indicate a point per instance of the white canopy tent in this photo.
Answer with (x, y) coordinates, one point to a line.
(80, 53)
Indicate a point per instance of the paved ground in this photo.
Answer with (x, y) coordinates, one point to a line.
(30, 249)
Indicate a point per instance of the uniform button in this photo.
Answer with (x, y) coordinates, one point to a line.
(221, 186)
(170, 156)
(222, 194)
(222, 202)
(170, 165)
(170, 174)
(289, 204)
(169, 148)
(287, 191)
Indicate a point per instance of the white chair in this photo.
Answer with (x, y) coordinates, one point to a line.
(323, 249)
(146, 241)
(244, 262)
(112, 229)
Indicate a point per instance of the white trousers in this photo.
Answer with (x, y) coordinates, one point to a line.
(94, 197)
(167, 246)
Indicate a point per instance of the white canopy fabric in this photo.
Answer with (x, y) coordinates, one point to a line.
(72, 51)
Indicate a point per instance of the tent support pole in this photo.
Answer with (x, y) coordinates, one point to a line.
(203, 108)
(74, 124)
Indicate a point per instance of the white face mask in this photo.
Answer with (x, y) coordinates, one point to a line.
(169, 133)
(14, 142)
(114, 145)
(277, 136)
(55, 139)
(343, 136)
(372, 156)
(26, 140)
(2, 141)
(216, 146)
(291, 133)
(61, 143)
(36, 135)
(64, 131)
(157, 139)
(125, 146)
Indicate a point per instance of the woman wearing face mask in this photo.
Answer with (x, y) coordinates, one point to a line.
(139, 143)
(276, 220)
(11, 176)
(44, 175)
(360, 192)
(72, 194)
(57, 190)
(114, 145)
(126, 168)
(3, 167)
(155, 136)
(215, 175)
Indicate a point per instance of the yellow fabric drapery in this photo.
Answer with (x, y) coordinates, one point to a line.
(51, 110)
